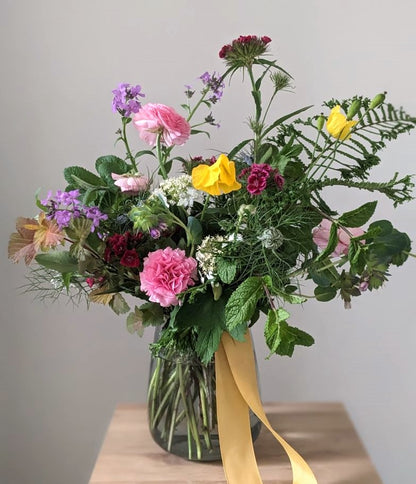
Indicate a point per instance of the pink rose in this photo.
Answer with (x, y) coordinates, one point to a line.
(321, 237)
(166, 273)
(130, 183)
(153, 119)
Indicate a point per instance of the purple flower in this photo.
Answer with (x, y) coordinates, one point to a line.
(94, 214)
(213, 83)
(126, 100)
(63, 218)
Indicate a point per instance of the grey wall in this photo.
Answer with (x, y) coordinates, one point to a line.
(63, 370)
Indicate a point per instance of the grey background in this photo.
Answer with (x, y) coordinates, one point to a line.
(63, 370)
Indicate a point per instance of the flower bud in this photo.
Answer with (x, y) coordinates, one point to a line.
(354, 108)
(377, 100)
(320, 122)
(217, 290)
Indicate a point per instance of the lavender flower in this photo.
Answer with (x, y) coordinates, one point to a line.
(65, 206)
(213, 83)
(126, 100)
(94, 214)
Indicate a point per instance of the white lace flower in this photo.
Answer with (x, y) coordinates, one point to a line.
(178, 191)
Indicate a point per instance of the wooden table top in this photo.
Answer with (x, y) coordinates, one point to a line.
(321, 432)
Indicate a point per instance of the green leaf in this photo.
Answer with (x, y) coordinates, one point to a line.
(152, 314)
(204, 312)
(118, 304)
(226, 270)
(207, 342)
(60, 261)
(282, 338)
(144, 152)
(80, 177)
(135, 322)
(285, 118)
(324, 294)
(243, 301)
(239, 332)
(359, 216)
(195, 228)
(332, 243)
(105, 165)
(200, 131)
(66, 279)
(238, 148)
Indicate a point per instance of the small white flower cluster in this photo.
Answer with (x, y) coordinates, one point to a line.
(206, 255)
(178, 191)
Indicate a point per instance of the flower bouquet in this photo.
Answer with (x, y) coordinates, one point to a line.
(208, 244)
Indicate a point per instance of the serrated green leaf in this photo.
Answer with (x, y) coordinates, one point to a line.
(282, 338)
(239, 332)
(118, 304)
(243, 301)
(204, 312)
(226, 270)
(60, 261)
(207, 342)
(359, 216)
(74, 175)
(324, 294)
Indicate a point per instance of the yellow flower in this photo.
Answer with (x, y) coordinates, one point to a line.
(337, 125)
(216, 179)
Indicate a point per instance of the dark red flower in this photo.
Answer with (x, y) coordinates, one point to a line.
(130, 259)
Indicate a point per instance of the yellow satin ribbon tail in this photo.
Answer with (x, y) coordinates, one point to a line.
(237, 391)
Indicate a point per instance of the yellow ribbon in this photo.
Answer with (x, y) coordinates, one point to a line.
(237, 391)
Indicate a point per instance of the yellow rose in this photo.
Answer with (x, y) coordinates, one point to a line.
(216, 179)
(337, 124)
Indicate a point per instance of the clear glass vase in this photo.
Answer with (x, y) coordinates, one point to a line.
(182, 407)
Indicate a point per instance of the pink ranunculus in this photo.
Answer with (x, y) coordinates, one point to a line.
(153, 119)
(130, 183)
(321, 237)
(166, 273)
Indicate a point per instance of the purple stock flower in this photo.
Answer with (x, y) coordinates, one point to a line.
(126, 100)
(94, 214)
(215, 84)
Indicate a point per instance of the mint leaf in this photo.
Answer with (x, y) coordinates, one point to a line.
(203, 312)
(243, 301)
(226, 270)
(359, 216)
(207, 342)
(282, 338)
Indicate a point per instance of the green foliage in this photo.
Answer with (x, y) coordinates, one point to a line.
(243, 301)
(61, 261)
(359, 216)
(282, 338)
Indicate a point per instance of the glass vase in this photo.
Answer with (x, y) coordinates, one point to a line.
(182, 407)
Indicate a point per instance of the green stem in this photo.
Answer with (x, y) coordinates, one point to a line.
(257, 101)
(207, 199)
(160, 156)
(126, 144)
(197, 105)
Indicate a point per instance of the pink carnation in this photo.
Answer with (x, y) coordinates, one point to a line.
(153, 119)
(321, 237)
(166, 273)
(130, 183)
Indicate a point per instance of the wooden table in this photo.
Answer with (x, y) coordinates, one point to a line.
(321, 432)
